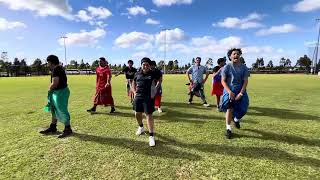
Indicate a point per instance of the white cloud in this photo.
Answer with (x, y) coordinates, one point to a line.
(42, 7)
(84, 38)
(99, 12)
(132, 39)
(152, 21)
(285, 28)
(310, 43)
(203, 41)
(140, 54)
(154, 10)
(171, 35)
(5, 25)
(170, 2)
(100, 24)
(83, 16)
(306, 6)
(134, 11)
(145, 46)
(209, 46)
(251, 21)
(92, 14)
(250, 54)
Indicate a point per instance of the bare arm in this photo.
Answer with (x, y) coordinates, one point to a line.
(108, 79)
(205, 79)
(188, 75)
(54, 84)
(134, 87)
(118, 73)
(244, 86)
(159, 82)
(243, 89)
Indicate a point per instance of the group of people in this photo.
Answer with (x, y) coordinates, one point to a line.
(144, 87)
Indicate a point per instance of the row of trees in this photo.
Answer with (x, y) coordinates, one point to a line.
(303, 64)
(39, 67)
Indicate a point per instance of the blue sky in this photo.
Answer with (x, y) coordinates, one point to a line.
(131, 29)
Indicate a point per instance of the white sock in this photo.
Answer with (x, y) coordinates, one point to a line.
(229, 127)
(235, 119)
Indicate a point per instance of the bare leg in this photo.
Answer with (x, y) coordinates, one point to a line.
(139, 117)
(150, 123)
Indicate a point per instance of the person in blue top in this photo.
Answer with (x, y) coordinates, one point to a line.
(235, 100)
(197, 71)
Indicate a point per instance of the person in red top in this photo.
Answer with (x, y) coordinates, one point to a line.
(103, 94)
(217, 88)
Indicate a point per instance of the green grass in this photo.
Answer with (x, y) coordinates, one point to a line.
(279, 139)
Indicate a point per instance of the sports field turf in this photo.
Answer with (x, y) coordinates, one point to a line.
(279, 137)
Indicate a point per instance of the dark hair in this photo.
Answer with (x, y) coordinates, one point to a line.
(220, 60)
(130, 61)
(102, 59)
(233, 49)
(198, 58)
(53, 59)
(145, 59)
(153, 63)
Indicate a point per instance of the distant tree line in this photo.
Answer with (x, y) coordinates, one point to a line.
(39, 67)
(303, 64)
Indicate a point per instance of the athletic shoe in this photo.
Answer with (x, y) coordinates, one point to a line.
(112, 110)
(66, 132)
(206, 104)
(140, 131)
(152, 142)
(93, 109)
(228, 134)
(159, 110)
(51, 129)
(236, 122)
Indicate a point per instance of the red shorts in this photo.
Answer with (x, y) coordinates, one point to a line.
(217, 89)
(157, 101)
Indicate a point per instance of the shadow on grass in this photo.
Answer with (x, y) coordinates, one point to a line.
(248, 152)
(161, 149)
(290, 139)
(177, 116)
(170, 116)
(281, 113)
(185, 105)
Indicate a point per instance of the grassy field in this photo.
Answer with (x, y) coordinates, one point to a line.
(279, 139)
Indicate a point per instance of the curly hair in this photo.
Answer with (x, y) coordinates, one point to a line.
(233, 49)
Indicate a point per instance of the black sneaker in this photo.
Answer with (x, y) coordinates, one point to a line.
(228, 134)
(51, 129)
(112, 110)
(237, 124)
(66, 132)
(93, 109)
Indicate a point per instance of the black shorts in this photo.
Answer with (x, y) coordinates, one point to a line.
(143, 105)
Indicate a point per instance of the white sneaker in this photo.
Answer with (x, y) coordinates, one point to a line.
(236, 119)
(152, 142)
(206, 105)
(159, 110)
(140, 131)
